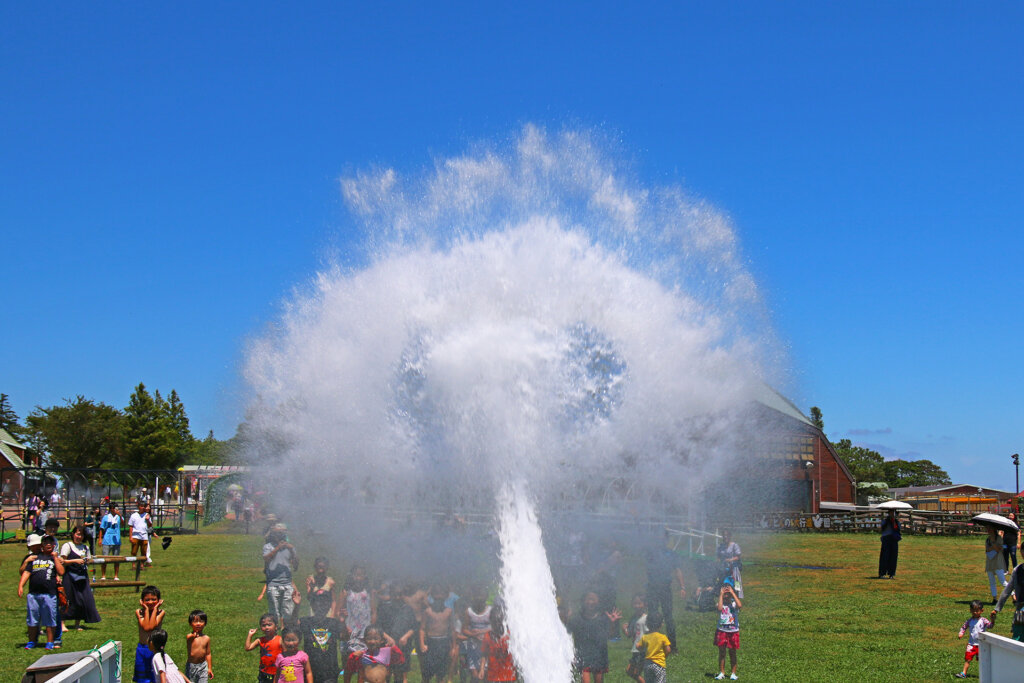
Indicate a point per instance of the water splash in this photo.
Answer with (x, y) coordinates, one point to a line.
(528, 322)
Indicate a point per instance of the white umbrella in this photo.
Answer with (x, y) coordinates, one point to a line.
(989, 519)
(894, 505)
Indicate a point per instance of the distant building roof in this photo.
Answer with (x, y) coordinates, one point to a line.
(767, 396)
(905, 491)
(6, 442)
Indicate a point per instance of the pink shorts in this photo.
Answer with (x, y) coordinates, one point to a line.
(972, 652)
(729, 640)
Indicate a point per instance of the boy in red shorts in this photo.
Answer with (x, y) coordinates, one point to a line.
(727, 635)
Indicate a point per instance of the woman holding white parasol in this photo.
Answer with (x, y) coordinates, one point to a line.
(890, 552)
(995, 565)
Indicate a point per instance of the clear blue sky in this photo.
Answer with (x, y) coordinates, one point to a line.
(168, 173)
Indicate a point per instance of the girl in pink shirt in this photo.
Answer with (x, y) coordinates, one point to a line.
(292, 663)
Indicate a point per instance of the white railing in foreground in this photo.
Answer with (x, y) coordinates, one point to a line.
(102, 665)
(677, 536)
(1001, 659)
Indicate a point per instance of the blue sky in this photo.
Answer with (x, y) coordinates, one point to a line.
(169, 173)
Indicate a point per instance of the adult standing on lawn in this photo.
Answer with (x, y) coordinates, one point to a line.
(1014, 587)
(111, 527)
(81, 604)
(890, 552)
(729, 554)
(279, 561)
(1010, 540)
(663, 565)
(995, 565)
(139, 523)
(42, 517)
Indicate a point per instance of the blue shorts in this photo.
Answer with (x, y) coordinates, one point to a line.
(143, 664)
(42, 609)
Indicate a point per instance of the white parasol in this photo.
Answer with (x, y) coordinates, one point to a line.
(894, 505)
(988, 519)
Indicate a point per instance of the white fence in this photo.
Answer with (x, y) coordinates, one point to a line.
(102, 665)
(1001, 659)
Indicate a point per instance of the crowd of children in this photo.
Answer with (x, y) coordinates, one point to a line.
(366, 632)
(369, 634)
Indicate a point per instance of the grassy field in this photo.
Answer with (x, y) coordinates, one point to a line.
(798, 624)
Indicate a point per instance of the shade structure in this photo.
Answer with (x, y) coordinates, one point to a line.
(894, 505)
(989, 519)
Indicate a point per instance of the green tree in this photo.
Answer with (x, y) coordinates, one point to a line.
(922, 472)
(9, 420)
(816, 418)
(80, 433)
(175, 411)
(864, 463)
(150, 439)
(209, 451)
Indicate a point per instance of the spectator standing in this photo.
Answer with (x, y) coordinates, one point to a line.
(110, 526)
(1010, 539)
(889, 555)
(279, 561)
(730, 555)
(1014, 587)
(81, 603)
(664, 565)
(32, 511)
(139, 524)
(995, 565)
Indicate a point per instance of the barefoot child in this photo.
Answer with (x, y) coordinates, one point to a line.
(436, 637)
(398, 621)
(476, 623)
(376, 662)
(635, 630)
(199, 665)
(292, 664)
(655, 647)
(727, 635)
(321, 635)
(358, 606)
(164, 668)
(150, 616)
(497, 665)
(319, 584)
(590, 630)
(270, 647)
(973, 627)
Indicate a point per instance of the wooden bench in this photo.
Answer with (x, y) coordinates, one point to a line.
(118, 560)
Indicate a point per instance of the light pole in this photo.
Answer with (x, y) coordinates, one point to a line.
(1016, 475)
(1016, 472)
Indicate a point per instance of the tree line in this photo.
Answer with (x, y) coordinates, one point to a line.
(868, 465)
(152, 432)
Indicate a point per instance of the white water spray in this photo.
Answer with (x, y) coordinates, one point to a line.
(529, 322)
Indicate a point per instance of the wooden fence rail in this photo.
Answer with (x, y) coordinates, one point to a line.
(911, 522)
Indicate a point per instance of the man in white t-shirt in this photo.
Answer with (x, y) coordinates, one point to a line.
(139, 524)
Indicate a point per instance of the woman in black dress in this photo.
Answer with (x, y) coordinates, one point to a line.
(81, 604)
(1010, 538)
(890, 552)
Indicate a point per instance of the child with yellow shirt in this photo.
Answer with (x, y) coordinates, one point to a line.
(655, 646)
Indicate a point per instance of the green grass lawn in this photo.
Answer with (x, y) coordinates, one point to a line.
(840, 624)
